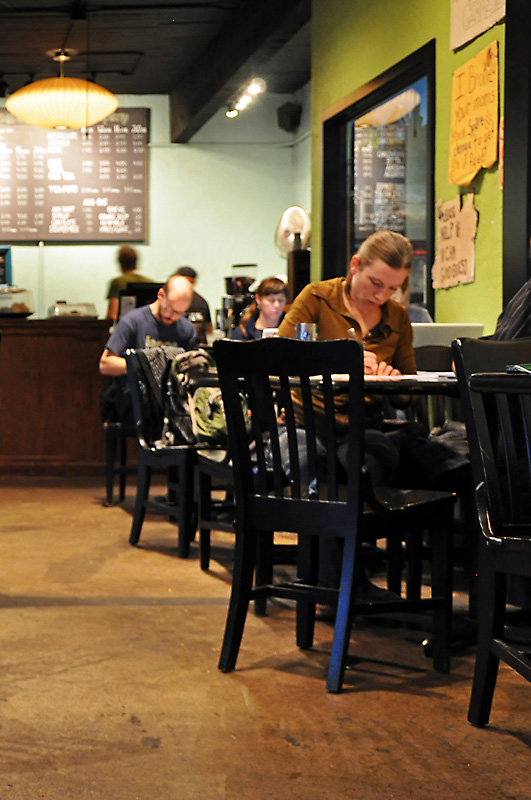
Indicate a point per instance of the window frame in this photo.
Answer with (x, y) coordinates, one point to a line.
(336, 159)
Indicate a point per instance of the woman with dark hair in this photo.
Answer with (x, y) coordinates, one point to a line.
(267, 310)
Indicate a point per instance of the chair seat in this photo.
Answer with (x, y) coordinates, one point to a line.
(213, 457)
(406, 501)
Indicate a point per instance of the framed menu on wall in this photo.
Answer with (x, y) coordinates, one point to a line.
(74, 186)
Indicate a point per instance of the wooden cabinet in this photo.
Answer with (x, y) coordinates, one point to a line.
(49, 396)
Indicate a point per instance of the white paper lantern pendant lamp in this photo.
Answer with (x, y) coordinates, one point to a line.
(63, 104)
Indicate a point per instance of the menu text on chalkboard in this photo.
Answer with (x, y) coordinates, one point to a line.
(73, 186)
(379, 179)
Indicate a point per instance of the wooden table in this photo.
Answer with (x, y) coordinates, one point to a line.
(424, 383)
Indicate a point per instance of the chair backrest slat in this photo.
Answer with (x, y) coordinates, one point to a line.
(525, 407)
(288, 416)
(507, 417)
(330, 437)
(146, 410)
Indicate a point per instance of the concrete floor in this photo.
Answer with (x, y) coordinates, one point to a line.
(109, 685)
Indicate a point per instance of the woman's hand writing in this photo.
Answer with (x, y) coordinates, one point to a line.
(384, 368)
(373, 367)
(370, 365)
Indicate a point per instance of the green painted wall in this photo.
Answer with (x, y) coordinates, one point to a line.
(354, 41)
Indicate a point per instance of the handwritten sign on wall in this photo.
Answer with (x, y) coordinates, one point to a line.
(455, 259)
(470, 18)
(474, 116)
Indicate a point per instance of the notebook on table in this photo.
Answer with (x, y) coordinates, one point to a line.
(443, 333)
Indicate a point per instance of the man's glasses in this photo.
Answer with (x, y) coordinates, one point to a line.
(171, 312)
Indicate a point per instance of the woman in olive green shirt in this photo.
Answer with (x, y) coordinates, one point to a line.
(362, 301)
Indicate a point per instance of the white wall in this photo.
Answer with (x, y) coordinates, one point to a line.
(213, 202)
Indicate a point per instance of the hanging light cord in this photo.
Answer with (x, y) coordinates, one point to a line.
(88, 73)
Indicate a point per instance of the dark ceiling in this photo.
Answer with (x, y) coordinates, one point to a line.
(199, 53)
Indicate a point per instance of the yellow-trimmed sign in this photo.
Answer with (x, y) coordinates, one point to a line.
(474, 119)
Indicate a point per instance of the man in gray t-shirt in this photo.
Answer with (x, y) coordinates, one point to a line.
(161, 322)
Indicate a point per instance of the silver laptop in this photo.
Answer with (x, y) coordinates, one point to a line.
(428, 333)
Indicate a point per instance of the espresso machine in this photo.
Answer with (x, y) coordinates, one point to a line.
(237, 296)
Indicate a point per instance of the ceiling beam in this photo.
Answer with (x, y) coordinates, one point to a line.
(233, 57)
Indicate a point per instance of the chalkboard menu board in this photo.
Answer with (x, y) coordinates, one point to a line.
(73, 186)
(379, 174)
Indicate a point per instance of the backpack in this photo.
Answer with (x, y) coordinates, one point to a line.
(194, 414)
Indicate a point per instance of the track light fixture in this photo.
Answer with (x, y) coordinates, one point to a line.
(257, 86)
(246, 97)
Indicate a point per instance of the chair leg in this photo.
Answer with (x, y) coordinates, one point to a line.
(441, 542)
(394, 564)
(491, 621)
(123, 465)
(142, 491)
(186, 515)
(205, 513)
(110, 456)
(338, 657)
(263, 575)
(414, 545)
(242, 582)
(308, 573)
(173, 492)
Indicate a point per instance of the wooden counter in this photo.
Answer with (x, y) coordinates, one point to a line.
(49, 396)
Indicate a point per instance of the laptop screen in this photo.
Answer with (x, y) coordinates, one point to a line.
(443, 333)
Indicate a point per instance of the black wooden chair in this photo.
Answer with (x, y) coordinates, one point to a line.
(319, 502)
(179, 460)
(482, 355)
(497, 409)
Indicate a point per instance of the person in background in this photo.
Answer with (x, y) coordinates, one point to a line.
(267, 310)
(199, 311)
(515, 320)
(127, 259)
(162, 322)
(415, 312)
